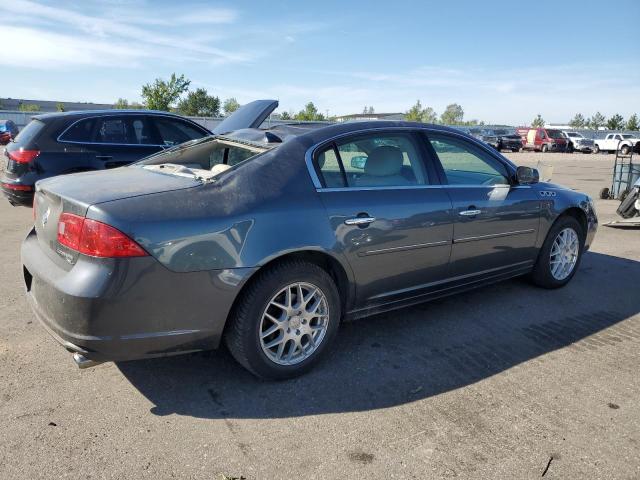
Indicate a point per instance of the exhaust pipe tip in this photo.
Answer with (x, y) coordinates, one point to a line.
(83, 362)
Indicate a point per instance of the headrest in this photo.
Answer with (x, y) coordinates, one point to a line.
(384, 161)
(219, 168)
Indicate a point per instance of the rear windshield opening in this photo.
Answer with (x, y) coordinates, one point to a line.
(205, 155)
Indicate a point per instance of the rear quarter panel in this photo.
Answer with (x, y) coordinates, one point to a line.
(263, 209)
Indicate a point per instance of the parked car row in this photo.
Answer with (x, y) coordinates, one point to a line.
(267, 239)
(542, 139)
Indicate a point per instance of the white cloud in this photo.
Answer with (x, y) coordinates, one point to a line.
(84, 35)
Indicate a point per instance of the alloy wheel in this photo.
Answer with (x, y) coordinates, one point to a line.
(564, 254)
(294, 323)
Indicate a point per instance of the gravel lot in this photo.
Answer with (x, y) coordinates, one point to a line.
(508, 381)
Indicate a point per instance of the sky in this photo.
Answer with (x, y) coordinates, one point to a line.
(503, 61)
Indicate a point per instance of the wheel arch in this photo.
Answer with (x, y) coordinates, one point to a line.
(339, 272)
(578, 214)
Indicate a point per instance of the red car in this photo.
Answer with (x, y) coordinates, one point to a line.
(542, 139)
(8, 131)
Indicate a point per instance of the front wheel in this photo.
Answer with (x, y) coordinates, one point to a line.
(596, 149)
(560, 255)
(285, 320)
(625, 150)
(544, 149)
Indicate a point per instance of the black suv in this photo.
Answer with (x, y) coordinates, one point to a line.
(58, 143)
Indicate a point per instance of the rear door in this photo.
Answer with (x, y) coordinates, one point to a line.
(496, 223)
(389, 215)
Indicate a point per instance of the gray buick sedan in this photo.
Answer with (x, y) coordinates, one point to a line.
(267, 239)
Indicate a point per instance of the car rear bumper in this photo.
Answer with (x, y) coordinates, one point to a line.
(17, 193)
(125, 309)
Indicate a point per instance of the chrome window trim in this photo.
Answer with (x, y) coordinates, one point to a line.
(74, 142)
(311, 151)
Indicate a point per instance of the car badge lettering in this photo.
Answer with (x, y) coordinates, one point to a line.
(45, 217)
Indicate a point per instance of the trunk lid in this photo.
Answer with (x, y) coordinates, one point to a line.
(250, 115)
(76, 193)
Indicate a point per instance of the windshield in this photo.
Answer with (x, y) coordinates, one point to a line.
(555, 134)
(205, 154)
(573, 135)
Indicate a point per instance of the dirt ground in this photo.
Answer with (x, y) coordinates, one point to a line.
(508, 381)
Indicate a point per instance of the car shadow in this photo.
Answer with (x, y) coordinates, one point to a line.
(410, 354)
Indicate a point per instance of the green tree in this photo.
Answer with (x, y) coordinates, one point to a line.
(285, 116)
(452, 115)
(60, 107)
(616, 122)
(632, 123)
(29, 107)
(309, 113)
(121, 104)
(200, 104)
(230, 105)
(597, 121)
(538, 121)
(162, 94)
(419, 114)
(577, 121)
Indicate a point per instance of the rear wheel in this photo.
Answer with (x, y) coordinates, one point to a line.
(625, 150)
(285, 320)
(560, 255)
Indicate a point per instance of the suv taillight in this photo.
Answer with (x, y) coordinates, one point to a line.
(23, 156)
(94, 238)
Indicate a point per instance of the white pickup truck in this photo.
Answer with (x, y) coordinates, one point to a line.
(625, 142)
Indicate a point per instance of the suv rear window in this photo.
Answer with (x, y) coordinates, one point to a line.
(28, 133)
(79, 131)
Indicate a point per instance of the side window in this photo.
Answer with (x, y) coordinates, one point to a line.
(79, 131)
(112, 130)
(464, 164)
(330, 168)
(174, 132)
(380, 160)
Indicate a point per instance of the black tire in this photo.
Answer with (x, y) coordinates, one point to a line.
(570, 148)
(515, 150)
(544, 149)
(625, 149)
(596, 148)
(605, 193)
(242, 335)
(627, 208)
(541, 275)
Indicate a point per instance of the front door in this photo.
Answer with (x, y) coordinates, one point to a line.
(121, 140)
(390, 217)
(496, 223)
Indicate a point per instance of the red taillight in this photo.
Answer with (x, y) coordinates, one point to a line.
(14, 186)
(94, 238)
(23, 156)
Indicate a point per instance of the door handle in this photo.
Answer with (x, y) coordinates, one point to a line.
(470, 213)
(104, 157)
(360, 221)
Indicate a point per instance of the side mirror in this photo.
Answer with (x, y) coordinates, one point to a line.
(358, 161)
(527, 175)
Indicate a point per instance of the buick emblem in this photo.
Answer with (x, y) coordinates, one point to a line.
(45, 217)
